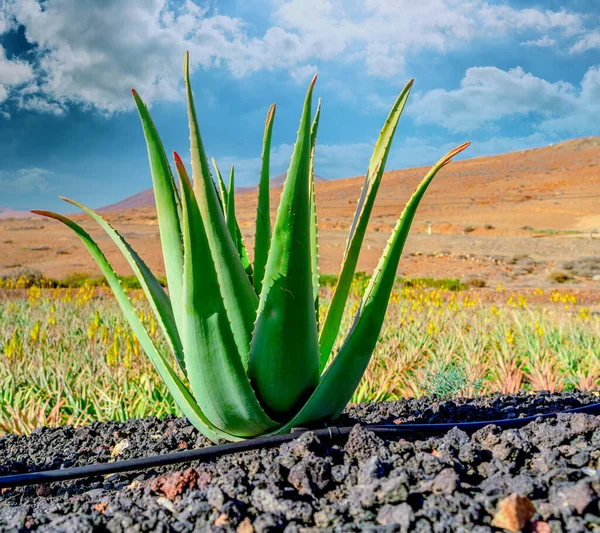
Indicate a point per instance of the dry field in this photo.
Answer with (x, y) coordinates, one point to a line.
(514, 219)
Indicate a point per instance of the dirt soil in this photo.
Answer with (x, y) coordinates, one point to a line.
(541, 478)
(514, 219)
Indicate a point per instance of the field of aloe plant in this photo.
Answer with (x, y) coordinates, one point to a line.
(67, 356)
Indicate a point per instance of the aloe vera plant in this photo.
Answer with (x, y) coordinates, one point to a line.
(252, 357)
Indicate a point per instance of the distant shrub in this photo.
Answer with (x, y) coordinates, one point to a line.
(78, 279)
(26, 276)
(330, 280)
(521, 259)
(560, 277)
(327, 280)
(475, 283)
(448, 284)
(449, 381)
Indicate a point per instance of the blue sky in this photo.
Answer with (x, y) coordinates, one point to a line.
(506, 75)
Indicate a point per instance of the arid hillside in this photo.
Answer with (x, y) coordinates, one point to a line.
(516, 218)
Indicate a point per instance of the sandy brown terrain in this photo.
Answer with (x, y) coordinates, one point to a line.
(484, 214)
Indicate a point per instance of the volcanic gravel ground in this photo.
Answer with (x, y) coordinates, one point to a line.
(542, 478)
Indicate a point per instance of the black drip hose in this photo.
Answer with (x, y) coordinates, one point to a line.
(333, 434)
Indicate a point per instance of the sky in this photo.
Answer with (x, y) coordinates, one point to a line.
(506, 75)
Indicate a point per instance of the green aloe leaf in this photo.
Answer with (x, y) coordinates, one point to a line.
(232, 223)
(238, 293)
(284, 358)
(246, 263)
(168, 208)
(215, 370)
(345, 372)
(333, 319)
(178, 390)
(157, 297)
(230, 218)
(314, 233)
(222, 187)
(262, 241)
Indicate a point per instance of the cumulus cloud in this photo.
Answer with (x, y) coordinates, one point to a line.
(489, 94)
(90, 53)
(25, 181)
(12, 73)
(4, 23)
(543, 42)
(505, 17)
(304, 73)
(584, 112)
(587, 42)
(383, 33)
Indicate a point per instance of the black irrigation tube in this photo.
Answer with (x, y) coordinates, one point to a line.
(332, 434)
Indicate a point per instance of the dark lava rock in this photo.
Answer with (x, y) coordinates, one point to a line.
(453, 482)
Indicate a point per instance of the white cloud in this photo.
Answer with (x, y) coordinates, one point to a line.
(383, 33)
(489, 94)
(544, 42)
(12, 73)
(4, 23)
(584, 114)
(91, 53)
(37, 103)
(25, 181)
(587, 42)
(302, 74)
(505, 17)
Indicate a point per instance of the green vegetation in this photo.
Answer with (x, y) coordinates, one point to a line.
(67, 356)
(449, 284)
(552, 231)
(74, 280)
(449, 380)
(446, 284)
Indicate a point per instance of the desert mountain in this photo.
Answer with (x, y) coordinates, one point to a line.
(7, 212)
(480, 217)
